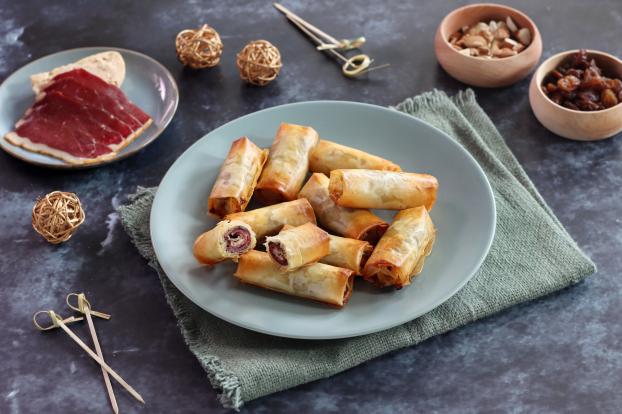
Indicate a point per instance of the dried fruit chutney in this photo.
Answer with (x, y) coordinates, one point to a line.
(579, 84)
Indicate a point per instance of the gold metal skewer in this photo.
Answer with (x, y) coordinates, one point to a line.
(352, 67)
(57, 321)
(84, 307)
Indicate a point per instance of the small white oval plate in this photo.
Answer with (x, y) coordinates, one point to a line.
(147, 84)
(464, 215)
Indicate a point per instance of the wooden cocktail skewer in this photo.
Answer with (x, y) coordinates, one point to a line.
(352, 67)
(57, 321)
(84, 307)
(336, 44)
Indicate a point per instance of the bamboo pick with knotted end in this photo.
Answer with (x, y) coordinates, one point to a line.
(352, 67)
(84, 307)
(57, 321)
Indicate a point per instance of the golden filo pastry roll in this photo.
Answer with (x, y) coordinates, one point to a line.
(267, 221)
(344, 252)
(359, 224)
(237, 178)
(318, 281)
(328, 156)
(402, 250)
(227, 240)
(287, 164)
(294, 247)
(387, 190)
(347, 253)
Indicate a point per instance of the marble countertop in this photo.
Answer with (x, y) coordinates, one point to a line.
(559, 354)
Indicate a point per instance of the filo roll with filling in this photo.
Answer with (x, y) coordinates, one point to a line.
(237, 179)
(267, 221)
(287, 164)
(328, 156)
(294, 247)
(227, 240)
(344, 252)
(320, 282)
(359, 224)
(382, 189)
(401, 252)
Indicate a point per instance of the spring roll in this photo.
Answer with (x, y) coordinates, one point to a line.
(328, 156)
(287, 164)
(347, 222)
(237, 179)
(343, 252)
(382, 189)
(228, 240)
(318, 281)
(297, 246)
(347, 253)
(400, 253)
(267, 221)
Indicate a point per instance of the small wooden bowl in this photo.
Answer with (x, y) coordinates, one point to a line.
(568, 123)
(476, 71)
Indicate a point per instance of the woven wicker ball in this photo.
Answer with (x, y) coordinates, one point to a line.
(259, 62)
(57, 216)
(199, 48)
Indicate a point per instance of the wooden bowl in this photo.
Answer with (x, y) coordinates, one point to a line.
(568, 123)
(477, 71)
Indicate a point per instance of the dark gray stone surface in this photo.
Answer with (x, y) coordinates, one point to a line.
(558, 354)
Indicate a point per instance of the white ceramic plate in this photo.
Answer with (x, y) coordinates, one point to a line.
(464, 215)
(147, 84)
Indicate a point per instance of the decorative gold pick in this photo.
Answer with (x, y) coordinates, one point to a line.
(84, 307)
(58, 322)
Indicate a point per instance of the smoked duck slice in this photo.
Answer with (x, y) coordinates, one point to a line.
(88, 89)
(80, 119)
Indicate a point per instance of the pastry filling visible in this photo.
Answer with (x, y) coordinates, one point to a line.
(348, 290)
(238, 240)
(277, 252)
(374, 233)
(364, 256)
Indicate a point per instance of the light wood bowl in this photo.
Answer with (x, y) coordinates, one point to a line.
(476, 71)
(568, 123)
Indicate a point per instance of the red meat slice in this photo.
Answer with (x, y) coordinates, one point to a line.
(63, 124)
(79, 118)
(88, 89)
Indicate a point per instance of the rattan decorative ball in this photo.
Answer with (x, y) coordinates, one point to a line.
(259, 62)
(199, 48)
(57, 216)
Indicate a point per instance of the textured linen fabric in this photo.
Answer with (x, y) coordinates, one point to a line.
(532, 255)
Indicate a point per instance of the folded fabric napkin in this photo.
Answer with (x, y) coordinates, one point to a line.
(532, 255)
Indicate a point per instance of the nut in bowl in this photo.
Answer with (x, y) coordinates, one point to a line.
(488, 45)
(583, 102)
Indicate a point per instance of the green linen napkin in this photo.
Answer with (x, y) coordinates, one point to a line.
(532, 255)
